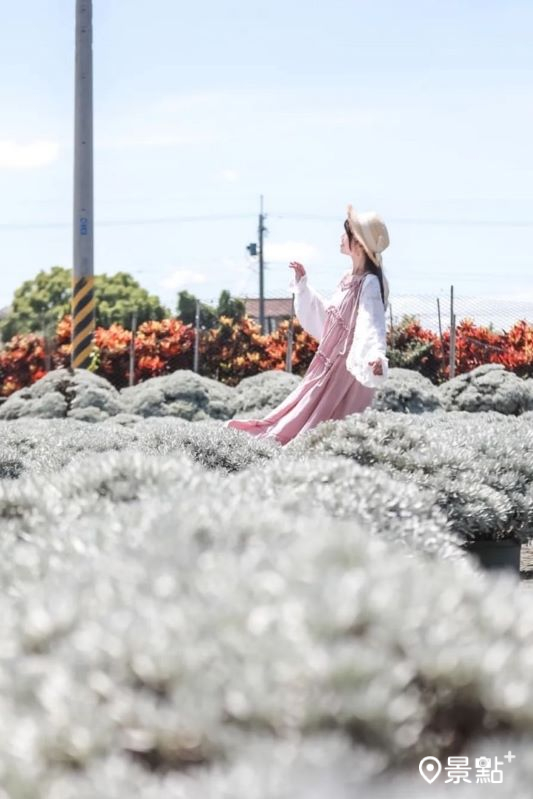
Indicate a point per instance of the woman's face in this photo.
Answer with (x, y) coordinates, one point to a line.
(345, 245)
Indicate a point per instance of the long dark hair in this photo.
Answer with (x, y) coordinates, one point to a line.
(370, 266)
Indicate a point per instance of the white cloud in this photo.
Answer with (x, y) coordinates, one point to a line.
(32, 155)
(182, 279)
(231, 175)
(239, 266)
(241, 275)
(287, 251)
(161, 123)
(152, 139)
(178, 103)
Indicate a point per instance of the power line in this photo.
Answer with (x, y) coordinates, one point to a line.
(118, 222)
(423, 221)
(293, 216)
(407, 274)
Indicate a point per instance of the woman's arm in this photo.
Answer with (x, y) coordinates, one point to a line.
(309, 306)
(370, 338)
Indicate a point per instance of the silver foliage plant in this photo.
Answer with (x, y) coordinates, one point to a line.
(183, 394)
(211, 445)
(159, 618)
(79, 395)
(407, 391)
(404, 514)
(489, 387)
(314, 767)
(256, 396)
(173, 628)
(46, 445)
(42, 445)
(479, 466)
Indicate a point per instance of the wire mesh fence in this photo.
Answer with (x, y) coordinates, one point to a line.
(445, 313)
(479, 324)
(442, 314)
(498, 314)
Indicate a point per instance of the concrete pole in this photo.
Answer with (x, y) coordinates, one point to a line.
(83, 317)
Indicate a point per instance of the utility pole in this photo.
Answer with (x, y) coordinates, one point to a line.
(82, 303)
(262, 229)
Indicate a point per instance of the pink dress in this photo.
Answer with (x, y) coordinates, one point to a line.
(350, 328)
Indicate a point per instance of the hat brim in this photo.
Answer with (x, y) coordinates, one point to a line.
(375, 257)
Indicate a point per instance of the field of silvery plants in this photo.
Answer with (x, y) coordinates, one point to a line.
(191, 612)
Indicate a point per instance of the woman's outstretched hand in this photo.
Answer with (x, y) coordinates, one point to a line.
(299, 270)
(377, 367)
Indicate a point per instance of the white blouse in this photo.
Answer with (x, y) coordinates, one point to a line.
(369, 341)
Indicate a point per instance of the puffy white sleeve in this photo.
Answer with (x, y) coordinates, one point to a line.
(370, 338)
(309, 306)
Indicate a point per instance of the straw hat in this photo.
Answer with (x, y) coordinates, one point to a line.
(370, 231)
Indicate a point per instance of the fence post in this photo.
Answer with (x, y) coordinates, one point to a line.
(132, 347)
(288, 364)
(452, 336)
(440, 334)
(197, 337)
(46, 346)
(454, 340)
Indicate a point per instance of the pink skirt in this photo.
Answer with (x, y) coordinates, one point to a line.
(327, 391)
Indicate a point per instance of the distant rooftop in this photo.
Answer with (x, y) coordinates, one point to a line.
(278, 307)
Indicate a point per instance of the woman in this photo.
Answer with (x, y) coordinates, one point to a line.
(350, 362)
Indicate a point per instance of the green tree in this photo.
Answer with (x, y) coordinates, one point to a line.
(46, 298)
(186, 311)
(118, 295)
(230, 306)
(227, 306)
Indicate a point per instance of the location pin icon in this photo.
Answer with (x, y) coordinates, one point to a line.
(430, 768)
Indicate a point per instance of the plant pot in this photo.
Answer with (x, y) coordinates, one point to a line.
(498, 554)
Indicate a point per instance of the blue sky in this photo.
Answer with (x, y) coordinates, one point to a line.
(420, 110)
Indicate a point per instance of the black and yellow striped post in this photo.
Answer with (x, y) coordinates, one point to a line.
(82, 322)
(83, 317)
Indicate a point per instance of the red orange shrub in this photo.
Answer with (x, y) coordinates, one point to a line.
(234, 350)
(21, 363)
